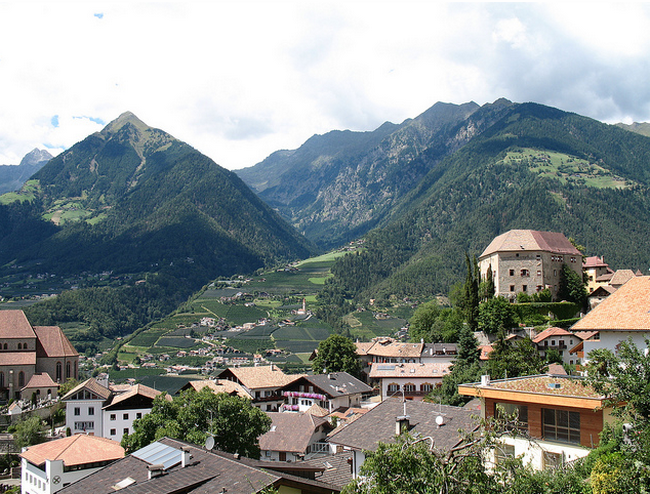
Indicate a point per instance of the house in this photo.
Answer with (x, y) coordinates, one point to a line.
(597, 272)
(561, 415)
(412, 381)
(556, 339)
(393, 416)
(95, 408)
(294, 437)
(51, 466)
(623, 315)
(169, 466)
(330, 391)
(40, 387)
(26, 350)
(218, 386)
(263, 383)
(528, 261)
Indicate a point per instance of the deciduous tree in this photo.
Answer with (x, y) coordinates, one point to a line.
(337, 354)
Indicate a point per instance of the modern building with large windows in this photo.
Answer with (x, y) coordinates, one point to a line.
(559, 417)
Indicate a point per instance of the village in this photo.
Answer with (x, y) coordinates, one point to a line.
(324, 424)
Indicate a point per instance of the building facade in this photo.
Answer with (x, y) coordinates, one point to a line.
(528, 261)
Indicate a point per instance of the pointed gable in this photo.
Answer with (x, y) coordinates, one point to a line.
(88, 390)
(52, 342)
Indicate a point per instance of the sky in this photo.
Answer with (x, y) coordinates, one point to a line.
(238, 80)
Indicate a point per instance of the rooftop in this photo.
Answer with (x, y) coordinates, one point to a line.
(378, 425)
(406, 370)
(53, 343)
(14, 324)
(258, 377)
(548, 332)
(337, 384)
(79, 449)
(290, 432)
(627, 309)
(531, 240)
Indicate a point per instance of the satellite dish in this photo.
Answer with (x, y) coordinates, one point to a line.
(440, 420)
(209, 443)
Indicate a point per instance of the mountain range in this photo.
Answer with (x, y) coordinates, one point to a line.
(450, 180)
(12, 177)
(133, 199)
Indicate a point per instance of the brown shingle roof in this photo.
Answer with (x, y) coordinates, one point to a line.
(621, 276)
(136, 390)
(267, 376)
(41, 381)
(221, 386)
(378, 425)
(627, 309)
(531, 240)
(17, 358)
(396, 349)
(75, 450)
(53, 343)
(290, 432)
(91, 385)
(14, 324)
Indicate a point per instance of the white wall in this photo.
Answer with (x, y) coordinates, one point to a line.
(36, 481)
(84, 407)
(119, 423)
(610, 339)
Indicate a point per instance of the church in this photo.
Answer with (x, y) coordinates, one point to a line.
(28, 354)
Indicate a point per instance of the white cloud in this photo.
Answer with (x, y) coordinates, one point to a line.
(241, 79)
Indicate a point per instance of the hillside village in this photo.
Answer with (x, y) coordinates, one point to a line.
(324, 425)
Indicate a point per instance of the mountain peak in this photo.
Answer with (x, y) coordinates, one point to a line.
(125, 118)
(36, 156)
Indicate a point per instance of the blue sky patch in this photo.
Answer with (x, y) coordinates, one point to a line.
(55, 121)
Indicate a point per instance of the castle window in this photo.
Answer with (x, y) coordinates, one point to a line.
(512, 272)
(525, 272)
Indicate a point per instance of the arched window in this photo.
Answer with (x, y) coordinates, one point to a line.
(21, 379)
(2, 379)
(409, 388)
(4, 347)
(426, 387)
(68, 371)
(75, 370)
(25, 346)
(59, 371)
(393, 387)
(19, 346)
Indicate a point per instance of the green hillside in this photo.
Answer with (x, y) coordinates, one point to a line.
(535, 168)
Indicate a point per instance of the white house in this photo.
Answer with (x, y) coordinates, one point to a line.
(329, 391)
(49, 467)
(624, 315)
(105, 411)
(414, 381)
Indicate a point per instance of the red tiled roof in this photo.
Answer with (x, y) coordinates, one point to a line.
(594, 262)
(41, 381)
(75, 450)
(53, 343)
(548, 332)
(408, 370)
(627, 309)
(14, 324)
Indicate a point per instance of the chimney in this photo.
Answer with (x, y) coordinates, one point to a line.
(156, 470)
(185, 460)
(485, 380)
(402, 424)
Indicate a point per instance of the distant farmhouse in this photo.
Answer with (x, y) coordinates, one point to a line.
(528, 261)
(29, 353)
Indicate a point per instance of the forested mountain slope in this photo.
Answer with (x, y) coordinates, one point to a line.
(535, 167)
(338, 186)
(133, 199)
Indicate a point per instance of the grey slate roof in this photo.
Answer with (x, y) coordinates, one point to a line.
(333, 384)
(378, 425)
(337, 468)
(208, 472)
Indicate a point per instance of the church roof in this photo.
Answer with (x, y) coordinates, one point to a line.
(14, 324)
(53, 343)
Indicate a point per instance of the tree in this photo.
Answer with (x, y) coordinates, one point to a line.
(28, 432)
(487, 288)
(337, 354)
(496, 315)
(434, 324)
(233, 422)
(571, 287)
(469, 297)
(519, 359)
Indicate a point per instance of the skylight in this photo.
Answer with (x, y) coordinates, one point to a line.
(159, 453)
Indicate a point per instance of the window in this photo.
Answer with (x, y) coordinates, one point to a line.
(77, 411)
(426, 387)
(125, 416)
(20, 346)
(524, 288)
(561, 425)
(503, 452)
(409, 388)
(138, 415)
(510, 409)
(125, 430)
(555, 272)
(538, 257)
(4, 346)
(68, 371)
(2, 379)
(525, 273)
(512, 288)
(539, 272)
(91, 410)
(21, 379)
(393, 388)
(84, 426)
(59, 371)
(553, 460)
(113, 416)
(113, 432)
(512, 272)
